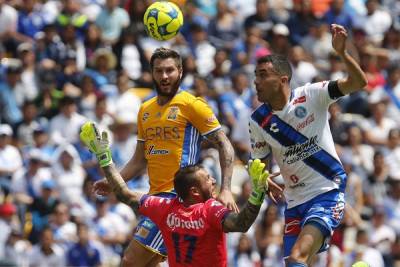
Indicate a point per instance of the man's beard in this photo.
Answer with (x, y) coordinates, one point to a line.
(175, 87)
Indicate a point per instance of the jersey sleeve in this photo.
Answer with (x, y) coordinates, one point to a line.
(153, 207)
(260, 149)
(202, 117)
(140, 135)
(324, 93)
(216, 213)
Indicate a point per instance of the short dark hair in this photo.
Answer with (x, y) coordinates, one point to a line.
(280, 63)
(164, 53)
(184, 179)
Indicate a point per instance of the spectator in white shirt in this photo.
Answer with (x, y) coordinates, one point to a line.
(47, 253)
(10, 158)
(66, 125)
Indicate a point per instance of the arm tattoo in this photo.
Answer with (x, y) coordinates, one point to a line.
(241, 222)
(226, 155)
(120, 188)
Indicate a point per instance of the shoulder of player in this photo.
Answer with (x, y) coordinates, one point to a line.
(149, 102)
(184, 97)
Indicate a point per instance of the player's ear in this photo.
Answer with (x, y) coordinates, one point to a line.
(194, 191)
(284, 79)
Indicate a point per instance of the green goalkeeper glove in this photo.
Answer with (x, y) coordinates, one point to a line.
(97, 144)
(259, 180)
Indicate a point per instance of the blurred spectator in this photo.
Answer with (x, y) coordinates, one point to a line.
(378, 126)
(247, 50)
(201, 89)
(224, 28)
(10, 99)
(279, 41)
(16, 250)
(84, 252)
(7, 211)
(318, 44)
(70, 15)
(64, 230)
(8, 21)
(189, 73)
(391, 204)
(268, 236)
(110, 229)
(102, 71)
(202, 49)
(244, 255)
(390, 94)
(337, 14)
(262, 19)
(364, 252)
(92, 40)
(375, 186)
(130, 55)
(354, 191)
(87, 97)
(376, 22)
(49, 44)
(382, 236)
(125, 100)
(24, 129)
(218, 79)
(29, 81)
(68, 174)
(47, 253)
(360, 155)
(392, 154)
(302, 71)
(73, 43)
(42, 206)
(27, 182)
(101, 115)
(66, 125)
(300, 21)
(111, 20)
(11, 160)
(31, 20)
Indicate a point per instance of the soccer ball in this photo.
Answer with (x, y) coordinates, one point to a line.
(163, 20)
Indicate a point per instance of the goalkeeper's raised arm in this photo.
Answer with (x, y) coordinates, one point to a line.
(98, 144)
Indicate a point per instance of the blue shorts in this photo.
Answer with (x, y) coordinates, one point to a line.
(148, 234)
(325, 211)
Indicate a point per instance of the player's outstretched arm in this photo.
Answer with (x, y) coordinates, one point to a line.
(241, 222)
(98, 144)
(356, 79)
(226, 157)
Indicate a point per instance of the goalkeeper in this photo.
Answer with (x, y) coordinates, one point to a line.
(193, 225)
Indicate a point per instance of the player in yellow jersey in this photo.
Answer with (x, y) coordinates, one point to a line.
(171, 127)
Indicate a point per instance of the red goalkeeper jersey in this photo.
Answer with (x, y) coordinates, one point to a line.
(193, 235)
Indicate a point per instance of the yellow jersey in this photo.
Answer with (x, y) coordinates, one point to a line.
(172, 135)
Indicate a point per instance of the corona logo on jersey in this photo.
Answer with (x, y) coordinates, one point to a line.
(173, 221)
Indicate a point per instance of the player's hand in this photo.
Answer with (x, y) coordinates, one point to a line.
(259, 177)
(275, 192)
(102, 187)
(226, 198)
(96, 142)
(339, 37)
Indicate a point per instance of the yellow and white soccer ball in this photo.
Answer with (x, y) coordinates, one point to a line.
(163, 20)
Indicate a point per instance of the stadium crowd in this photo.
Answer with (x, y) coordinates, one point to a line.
(64, 62)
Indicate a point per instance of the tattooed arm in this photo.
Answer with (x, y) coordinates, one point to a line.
(226, 157)
(241, 222)
(120, 188)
